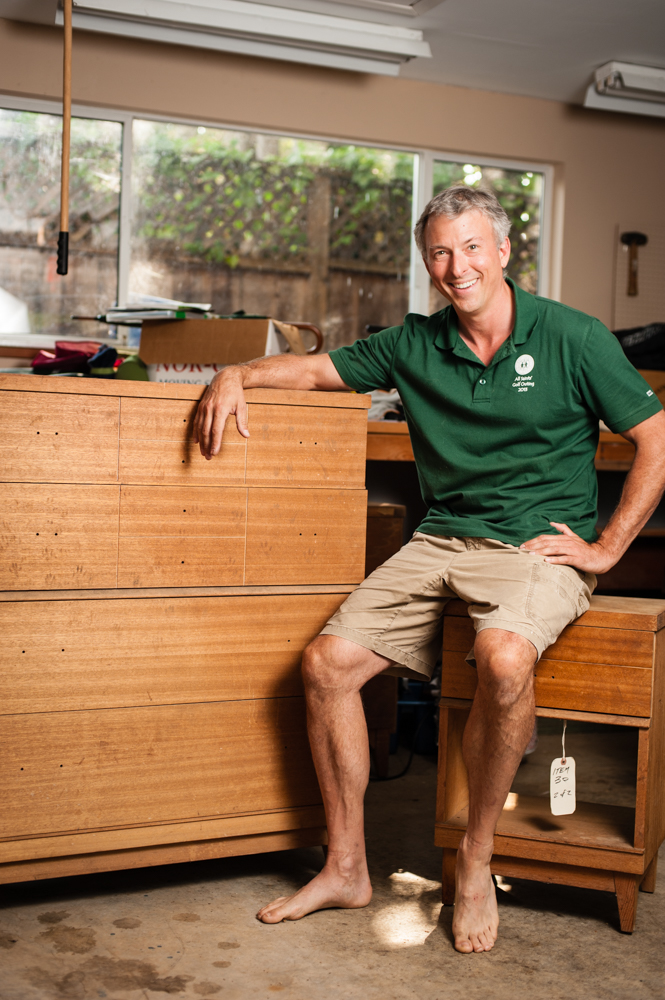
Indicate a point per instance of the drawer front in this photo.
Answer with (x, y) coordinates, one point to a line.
(156, 446)
(628, 647)
(75, 771)
(306, 447)
(61, 656)
(581, 685)
(181, 536)
(305, 536)
(58, 537)
(49, 437)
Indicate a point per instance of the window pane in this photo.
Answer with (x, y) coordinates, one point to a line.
(520, 193)
(300, 230)
(30, 145)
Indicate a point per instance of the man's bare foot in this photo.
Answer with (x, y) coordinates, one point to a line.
(476, 918)
(331, 887)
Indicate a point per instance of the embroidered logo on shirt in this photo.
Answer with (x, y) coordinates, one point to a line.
(524, 364)
(523, 381)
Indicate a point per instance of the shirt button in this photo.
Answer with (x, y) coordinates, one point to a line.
(482, 382)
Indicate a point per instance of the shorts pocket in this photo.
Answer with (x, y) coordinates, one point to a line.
(557, 596)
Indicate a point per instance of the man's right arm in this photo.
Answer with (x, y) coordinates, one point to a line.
(225, 393)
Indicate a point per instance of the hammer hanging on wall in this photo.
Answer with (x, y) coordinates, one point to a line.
(633, 241)
(63, 235)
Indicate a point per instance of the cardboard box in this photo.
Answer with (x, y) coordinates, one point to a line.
(193, 350)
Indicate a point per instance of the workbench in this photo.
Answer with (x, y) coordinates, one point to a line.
(154, 607)
(389, 441)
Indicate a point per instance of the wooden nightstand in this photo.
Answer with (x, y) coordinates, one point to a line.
(607, 667)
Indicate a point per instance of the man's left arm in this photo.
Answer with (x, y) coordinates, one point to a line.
(640, 496)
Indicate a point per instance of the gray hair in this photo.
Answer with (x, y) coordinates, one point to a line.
(453, 202)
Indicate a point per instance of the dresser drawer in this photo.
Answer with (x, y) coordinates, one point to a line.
(156, 446)
(303, 446)
(182, 536)
(50, 437)
(604, 670)
(58, 537)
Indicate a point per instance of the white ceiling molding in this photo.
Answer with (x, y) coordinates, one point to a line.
(258, 30)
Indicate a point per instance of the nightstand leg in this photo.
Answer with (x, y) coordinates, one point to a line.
(648, 883)
(448, 876)
(626, 887)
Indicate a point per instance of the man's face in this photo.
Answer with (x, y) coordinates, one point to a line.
(464, 261)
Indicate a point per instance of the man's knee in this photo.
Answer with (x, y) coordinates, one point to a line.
(332, 663)
(505, 662)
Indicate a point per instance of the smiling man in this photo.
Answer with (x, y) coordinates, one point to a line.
(503, 392)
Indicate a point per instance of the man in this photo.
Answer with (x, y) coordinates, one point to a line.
(503, 392)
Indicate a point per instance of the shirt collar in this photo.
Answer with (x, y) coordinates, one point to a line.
(526, 318)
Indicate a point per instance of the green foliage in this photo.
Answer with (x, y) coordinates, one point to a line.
(30, 146)
(220, 196)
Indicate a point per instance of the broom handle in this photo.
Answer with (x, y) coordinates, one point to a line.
(63, 236)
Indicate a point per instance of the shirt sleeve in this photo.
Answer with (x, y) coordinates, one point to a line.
(609, 384)
(367, 364)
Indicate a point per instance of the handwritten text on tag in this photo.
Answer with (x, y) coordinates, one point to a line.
(562, 786)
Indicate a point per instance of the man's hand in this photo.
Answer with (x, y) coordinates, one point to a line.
(223, 396)
(569, 549)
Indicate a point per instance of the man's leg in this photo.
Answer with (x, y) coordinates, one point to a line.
(334, 670)
(499, 728)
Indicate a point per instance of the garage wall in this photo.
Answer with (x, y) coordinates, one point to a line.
(609, 165)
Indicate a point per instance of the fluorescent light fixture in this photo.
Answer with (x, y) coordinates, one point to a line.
(629, 88)
(258, 30)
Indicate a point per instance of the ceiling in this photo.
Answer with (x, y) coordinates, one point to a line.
(538, 48)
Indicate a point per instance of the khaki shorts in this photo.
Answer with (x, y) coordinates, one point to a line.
(397, 610)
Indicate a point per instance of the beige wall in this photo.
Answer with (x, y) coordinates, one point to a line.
(610, 165)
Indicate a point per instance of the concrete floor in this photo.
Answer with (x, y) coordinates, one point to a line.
(189, 930)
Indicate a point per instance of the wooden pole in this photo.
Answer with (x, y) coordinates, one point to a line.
(63, 236)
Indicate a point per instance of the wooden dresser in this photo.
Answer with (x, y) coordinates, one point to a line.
(154, 610)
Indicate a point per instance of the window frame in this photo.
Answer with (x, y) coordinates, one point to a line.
(550, 251)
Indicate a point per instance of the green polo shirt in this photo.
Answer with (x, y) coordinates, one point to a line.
(503, 450)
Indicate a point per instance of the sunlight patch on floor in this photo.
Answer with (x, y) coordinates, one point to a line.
(409, 919)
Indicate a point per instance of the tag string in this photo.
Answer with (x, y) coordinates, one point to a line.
(563, 742)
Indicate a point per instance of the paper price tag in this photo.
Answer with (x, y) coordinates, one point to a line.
(562, 786)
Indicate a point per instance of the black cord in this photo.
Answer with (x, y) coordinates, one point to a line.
(393, 777)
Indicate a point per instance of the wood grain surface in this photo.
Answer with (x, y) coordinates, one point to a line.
(156, 446)
(591, 825)
(53, 438)
(17, 596)
(70, 656)
(640, 613)
(184, 511)
(540, 871)
(566, 684)
(162, 854)
(56, 536)
(655, 804)
(179, 536)
(70, 771)
(293, 445)
(173, 390)
(192, 831)
(305, 536)
(628, 647)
